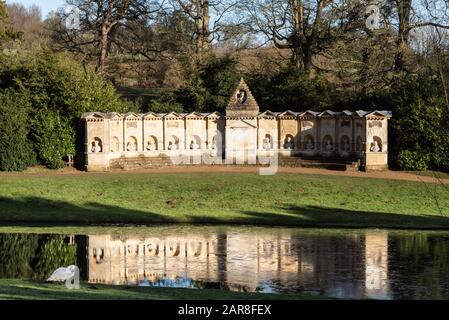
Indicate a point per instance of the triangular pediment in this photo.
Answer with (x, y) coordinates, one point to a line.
(150, 115)
(173, 115)
(327, 113)
(382, 114)
(131, 115)
(194, 115)
(93, 115)
(267, 114)
(115, 116)
(242, 102)
(287, 113)
(215, 115)
(308, 113)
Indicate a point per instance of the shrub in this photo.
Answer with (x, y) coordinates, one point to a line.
(59, 91)
(413, 160)
(55, 139)
(16, 152)
(420, 125)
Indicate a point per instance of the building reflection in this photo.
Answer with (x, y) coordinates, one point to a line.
(376, 265)
(340, 266)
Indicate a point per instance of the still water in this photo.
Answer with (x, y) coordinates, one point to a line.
(360, 264)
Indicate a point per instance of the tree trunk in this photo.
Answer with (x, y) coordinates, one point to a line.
(298, 33)
(404, 11)
(103, 50)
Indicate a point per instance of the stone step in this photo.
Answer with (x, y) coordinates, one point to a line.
(159, 162)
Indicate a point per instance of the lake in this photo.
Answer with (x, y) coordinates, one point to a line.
(354, 264)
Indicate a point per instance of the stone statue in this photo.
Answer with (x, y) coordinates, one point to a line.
(345, 145)
(96, 147)
(149, 146)
(289, 144)
(194, 145)
(241, 96)
(171, 146)
(267, 143)
(329, 146)
(309, 145)
(131, 147)
(375, 147)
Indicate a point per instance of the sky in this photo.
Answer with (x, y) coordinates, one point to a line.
(45, 5)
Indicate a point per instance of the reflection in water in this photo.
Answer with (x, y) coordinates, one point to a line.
(343, 264)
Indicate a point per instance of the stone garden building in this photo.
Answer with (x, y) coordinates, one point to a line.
(243, 136)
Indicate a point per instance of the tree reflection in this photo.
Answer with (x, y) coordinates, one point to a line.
(29, 256)
(420, 267)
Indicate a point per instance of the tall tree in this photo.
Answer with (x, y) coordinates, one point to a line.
(98, 21)
(211, 19)
(28, 20)
(305, 27)
(7, 33)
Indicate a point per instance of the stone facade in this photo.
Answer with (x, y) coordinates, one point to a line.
(242, 136)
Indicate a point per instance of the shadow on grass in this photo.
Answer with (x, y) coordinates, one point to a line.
(38, 211)
(42, 211)
(315, 216)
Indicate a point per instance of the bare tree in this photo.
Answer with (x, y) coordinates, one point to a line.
(305, 27)
(207, 30)
(29, 22)
(7, 32)
(99, 19)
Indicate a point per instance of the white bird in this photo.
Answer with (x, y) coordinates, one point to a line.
(63, 274)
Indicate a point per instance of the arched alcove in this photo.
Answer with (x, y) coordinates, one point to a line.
(328, 143)
(376, 145)
(151, 144)
(173, 143)
(289, 142)
(195, 143)
(131, 144)
(309, 143)
(115, 145)
(96, 145)
(267, 143)
(359, 144)
(345, 144)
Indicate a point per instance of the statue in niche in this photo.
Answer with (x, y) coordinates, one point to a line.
(214, 148)
(359, 144)
(194, 145)
(309, 144)
(267, 143)
(149, 146)
(375, 147)
(289, 145)
(171, 146)
(328, 145)
(131, 147)
(96, 148)
(241, 96)
(345, 145)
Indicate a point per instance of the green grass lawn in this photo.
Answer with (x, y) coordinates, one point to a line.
(223, 198)
(33, 290)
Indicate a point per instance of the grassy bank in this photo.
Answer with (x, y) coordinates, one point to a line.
(32, 290)
(223, 198)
